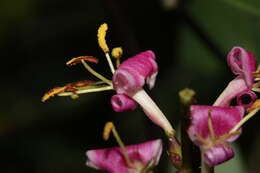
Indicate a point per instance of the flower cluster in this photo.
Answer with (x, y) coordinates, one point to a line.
(211, 128)
(214, 127)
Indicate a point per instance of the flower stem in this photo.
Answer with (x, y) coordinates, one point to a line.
(205, 168)
(110, 63)
(190, 153)
(95, 73)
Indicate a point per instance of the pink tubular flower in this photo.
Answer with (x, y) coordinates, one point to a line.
(209, 129)
(131, 76)
(142, 156)
(243, 64)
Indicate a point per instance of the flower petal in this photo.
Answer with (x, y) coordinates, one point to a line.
(132, 74)
(248, 93)
(242, 63)
(218, 154)
(112, 160)
(234, 87)
(122, 103)
(223, 120)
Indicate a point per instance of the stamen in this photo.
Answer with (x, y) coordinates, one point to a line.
(117, 53)
(210, 126)
(102, 37)
(255, 105)
(110, 63)
(106, 88)
(225, 136)
(201, 139)
(103, 45)
(247, 117)
(258, 69)
(95, 73)
(256, 87)
(52, 93)
(256, 90)
(107, 130)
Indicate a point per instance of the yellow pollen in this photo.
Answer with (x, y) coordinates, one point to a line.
(107, 130)
(117, 52)
(102, 37)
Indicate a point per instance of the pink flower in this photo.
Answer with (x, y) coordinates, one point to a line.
(209, 129)
(243, 64)
(142, 156)
(129, 79)
(133, 73)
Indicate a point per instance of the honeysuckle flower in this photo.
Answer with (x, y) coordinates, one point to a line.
(210, 130)
(142, 156)
(129, 79)
(243, 64)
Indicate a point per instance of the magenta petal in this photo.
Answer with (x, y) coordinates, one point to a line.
(112, 160)
(122, 103)
(251, 96)
(234, 87)
(223, 120)
(218, 154)
(242, 63)
(133, 73)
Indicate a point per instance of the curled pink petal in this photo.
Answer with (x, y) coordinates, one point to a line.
(234, 87)
(223, 120)
(242, 63)
(133, 73)
(244, 95)
(112, 160)
(218, 154)
(122, 103)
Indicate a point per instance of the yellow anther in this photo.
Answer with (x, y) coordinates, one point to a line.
(117, 52)
(53, 92)
(102, 37)
(107, 130)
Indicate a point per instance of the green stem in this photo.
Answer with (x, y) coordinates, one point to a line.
(190, 152)
(95, 73)
(205, 168)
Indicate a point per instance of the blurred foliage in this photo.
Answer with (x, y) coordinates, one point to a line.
(38, 37)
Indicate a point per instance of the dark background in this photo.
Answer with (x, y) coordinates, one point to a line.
(191, 40)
